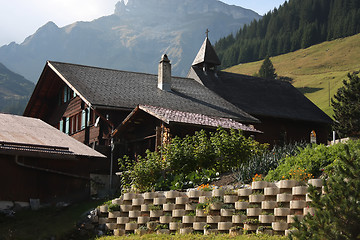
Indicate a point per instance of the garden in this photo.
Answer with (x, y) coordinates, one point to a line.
(195, 161)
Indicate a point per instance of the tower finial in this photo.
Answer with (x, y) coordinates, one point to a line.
(207, 33)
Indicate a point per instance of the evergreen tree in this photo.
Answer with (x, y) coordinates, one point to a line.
(297, 23)
(346, 105)
(267, 69)
(337, 212)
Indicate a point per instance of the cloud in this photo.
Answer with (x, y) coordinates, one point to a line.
(19, 19)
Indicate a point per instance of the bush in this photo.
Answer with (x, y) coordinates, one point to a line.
(337, 212)
(113, 207)
(314, 158)
(264, 161)
(220, 150)
(188, 162)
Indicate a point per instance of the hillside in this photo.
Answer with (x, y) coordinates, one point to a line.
(15, 91)
(297, 24)
(133, 38)
(316, 71)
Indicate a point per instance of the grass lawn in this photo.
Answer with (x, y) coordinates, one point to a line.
(196, 237)
(316, 71)
(44, 223)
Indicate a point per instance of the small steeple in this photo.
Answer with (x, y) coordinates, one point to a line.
(206, 57)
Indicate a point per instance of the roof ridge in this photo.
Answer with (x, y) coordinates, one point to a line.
(112, 69)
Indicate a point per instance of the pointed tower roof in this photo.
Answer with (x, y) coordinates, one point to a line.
(207, 55)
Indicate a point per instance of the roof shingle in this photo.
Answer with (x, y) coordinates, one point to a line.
(261, 97)
(169, 115)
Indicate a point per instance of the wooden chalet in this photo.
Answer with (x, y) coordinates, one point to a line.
(88, 103)
(285, 114)
(37, 161)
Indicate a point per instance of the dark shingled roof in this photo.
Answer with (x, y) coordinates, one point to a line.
(120, 89)
(207, 55)
(261, 97)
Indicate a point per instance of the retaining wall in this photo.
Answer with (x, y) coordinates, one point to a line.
(272, 205)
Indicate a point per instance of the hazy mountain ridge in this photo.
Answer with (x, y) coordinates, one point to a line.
(15, 91)
(133, 38)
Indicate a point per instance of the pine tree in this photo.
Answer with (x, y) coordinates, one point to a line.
(267, 69)
(337, 212)
(346, 105)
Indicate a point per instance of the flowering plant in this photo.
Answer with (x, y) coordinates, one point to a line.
(257, 177)
(300, 175)
(205, 187)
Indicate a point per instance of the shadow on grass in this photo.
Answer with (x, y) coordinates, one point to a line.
(46, 223)
(304, 90)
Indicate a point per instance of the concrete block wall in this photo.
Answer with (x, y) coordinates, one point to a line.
(265, 206)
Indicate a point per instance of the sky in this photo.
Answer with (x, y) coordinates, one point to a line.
(21, 18)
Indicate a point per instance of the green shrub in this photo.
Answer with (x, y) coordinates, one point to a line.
(314, 158)
(113, 207)
(221, 150)
(155, 207)
(337, 212)
(188, 162)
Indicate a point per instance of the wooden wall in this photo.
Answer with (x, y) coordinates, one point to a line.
(20, 183)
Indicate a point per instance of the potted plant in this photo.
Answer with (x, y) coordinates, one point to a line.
(155, 210)
(162, 229)
(175, 226)
(216, 202)
(131, 226)
(227, 210)
(264, 230)
(258, 182)
(189, 217)
(202, 209)
(266, 217)
(239, 216)
(251, 224)
(230, 196)
(166, 218)
(235, 231)
(143, 218)
(141, 230)
(241, 204)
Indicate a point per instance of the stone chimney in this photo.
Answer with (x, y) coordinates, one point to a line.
(164, 74)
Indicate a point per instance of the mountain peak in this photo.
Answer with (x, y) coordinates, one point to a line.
(139, 31)
(171, 8)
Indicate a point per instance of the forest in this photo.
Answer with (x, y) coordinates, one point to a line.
(294, 25)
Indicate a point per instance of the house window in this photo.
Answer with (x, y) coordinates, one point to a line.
(65, 95)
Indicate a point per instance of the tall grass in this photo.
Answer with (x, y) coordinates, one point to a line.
(266, 161)
(316, 71)
(196, 237)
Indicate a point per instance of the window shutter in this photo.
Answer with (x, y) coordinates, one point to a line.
(67, 125)
(83, 119)
(61, 125)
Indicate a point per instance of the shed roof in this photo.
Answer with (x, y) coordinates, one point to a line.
(121, 89)
(261, 97)
(172, 116)
(31, 135)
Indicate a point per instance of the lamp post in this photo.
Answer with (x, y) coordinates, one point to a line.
(111, 157)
